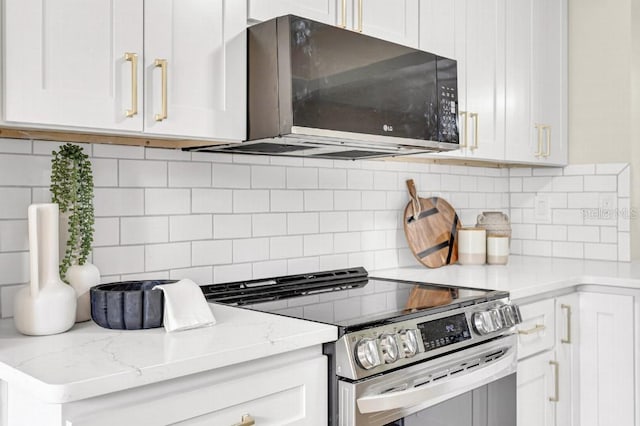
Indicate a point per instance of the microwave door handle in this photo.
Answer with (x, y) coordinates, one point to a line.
(419, 395)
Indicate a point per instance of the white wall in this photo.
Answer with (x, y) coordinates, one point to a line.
(604, 97)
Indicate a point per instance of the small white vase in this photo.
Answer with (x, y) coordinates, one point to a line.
(82, 278)
(47, 305)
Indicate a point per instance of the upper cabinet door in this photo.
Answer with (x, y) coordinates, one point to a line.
(396, 21)
(195, 68)
(318, 10)
(74, 63)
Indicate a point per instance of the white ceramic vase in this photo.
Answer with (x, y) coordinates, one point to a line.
(47, 305)
(82, 278)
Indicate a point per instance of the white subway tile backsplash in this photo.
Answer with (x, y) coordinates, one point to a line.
(537, 184)
(268, 177)
(626, 213)
(15, 202)
(106, 231)
(227, 273)
(387, 219)
(332, 178)
(608, 234)
(624, 246)
(286, 161)
(7, 294)
(119, 260)
(568, 216)
(190, 227)
(166, 154)
(167, 256)
(601, 251)
(590, 234)
(568, 249)
(582, 200)
(552, 232)
(347, 200)
(624, 183)
(40, 195)
(523, 231)
(270, 224)
(303, 265)
(142, 173)
(231, 176)
(303, 223)
(118, 201)
(373, 240)
(211, 200)
(118, 151)
(287, 201)
(334, 261)
(601, 183)
(16, 146)
(548, 171)
(610, 168)
(144, 230)
(218, 252)
(14, 267)
(449, 183)
(199, 275)
(522, 200)
(251, 201)
(579, 169)
(167, 201)
(13, 235)
(285, 247)
(536, 248)
(232, 226)
(189, 175)
(105, 172)
(360, 179)
(318, 200)
(361, 221)
(469, 183)
(250, 250)
(269, 269)
(568, 184)
(211, 157)
(333, 222)
(385, 181)
(374, 200)
(301, 178)
(250, 159)
(318, 244)
(25, 170)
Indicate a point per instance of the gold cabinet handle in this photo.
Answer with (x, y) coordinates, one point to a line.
(344, 14)
(162, 64)
(539, 128)
(556, 381)
(474, 117)
(360, 16)
(567, 309)
(465, 135)
(548, 134)
(245, 420)
(538, 328)
(133, 58)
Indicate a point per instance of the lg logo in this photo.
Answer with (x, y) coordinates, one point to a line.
(387, 128)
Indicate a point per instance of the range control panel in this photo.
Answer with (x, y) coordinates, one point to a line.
(444, 331)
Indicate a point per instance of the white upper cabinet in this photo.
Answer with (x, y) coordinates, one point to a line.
(195, 68)
(163, 67)
(396, 21)
(536, 86)
(472, 33)
(74, 63)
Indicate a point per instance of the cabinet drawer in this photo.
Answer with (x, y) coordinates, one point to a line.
(537, 331)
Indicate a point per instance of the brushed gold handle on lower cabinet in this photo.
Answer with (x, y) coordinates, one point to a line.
(534, 330)
(556, 382)
(162, 64)
(567, 309)
(360, 16)
(474, 116)
(133, 58)
(343, 24)
(465, 135)
(246, 420)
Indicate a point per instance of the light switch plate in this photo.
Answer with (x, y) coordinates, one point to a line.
(542, 209)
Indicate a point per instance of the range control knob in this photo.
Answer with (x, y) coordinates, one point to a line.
(510, 315)
(389, 348)
(409, 342)
(484, 322)
(367, 354)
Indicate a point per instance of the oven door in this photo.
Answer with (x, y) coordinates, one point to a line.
(471, 387)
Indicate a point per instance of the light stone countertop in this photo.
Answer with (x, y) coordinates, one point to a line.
(89, 360)
(524, 276)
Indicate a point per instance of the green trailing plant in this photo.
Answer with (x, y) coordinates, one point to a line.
(72, 189)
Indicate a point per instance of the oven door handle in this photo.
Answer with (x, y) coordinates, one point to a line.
(453, 386)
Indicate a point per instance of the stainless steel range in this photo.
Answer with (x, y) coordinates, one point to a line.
(408, 353)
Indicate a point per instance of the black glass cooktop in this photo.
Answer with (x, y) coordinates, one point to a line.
(347, 298)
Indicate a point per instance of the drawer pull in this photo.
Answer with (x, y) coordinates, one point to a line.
(246, 420)
(534, 330)
(556, 382)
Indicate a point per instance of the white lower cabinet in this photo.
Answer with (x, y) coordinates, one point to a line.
(587, 376)
(276, 391)
(607, 362)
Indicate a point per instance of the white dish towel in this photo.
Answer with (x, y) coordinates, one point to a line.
(185, 306)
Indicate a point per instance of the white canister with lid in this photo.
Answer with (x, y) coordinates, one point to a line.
(472, 246)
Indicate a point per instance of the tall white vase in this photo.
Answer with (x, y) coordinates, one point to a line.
(47, 305)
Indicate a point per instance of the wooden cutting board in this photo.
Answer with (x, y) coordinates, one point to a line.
(431, 226)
